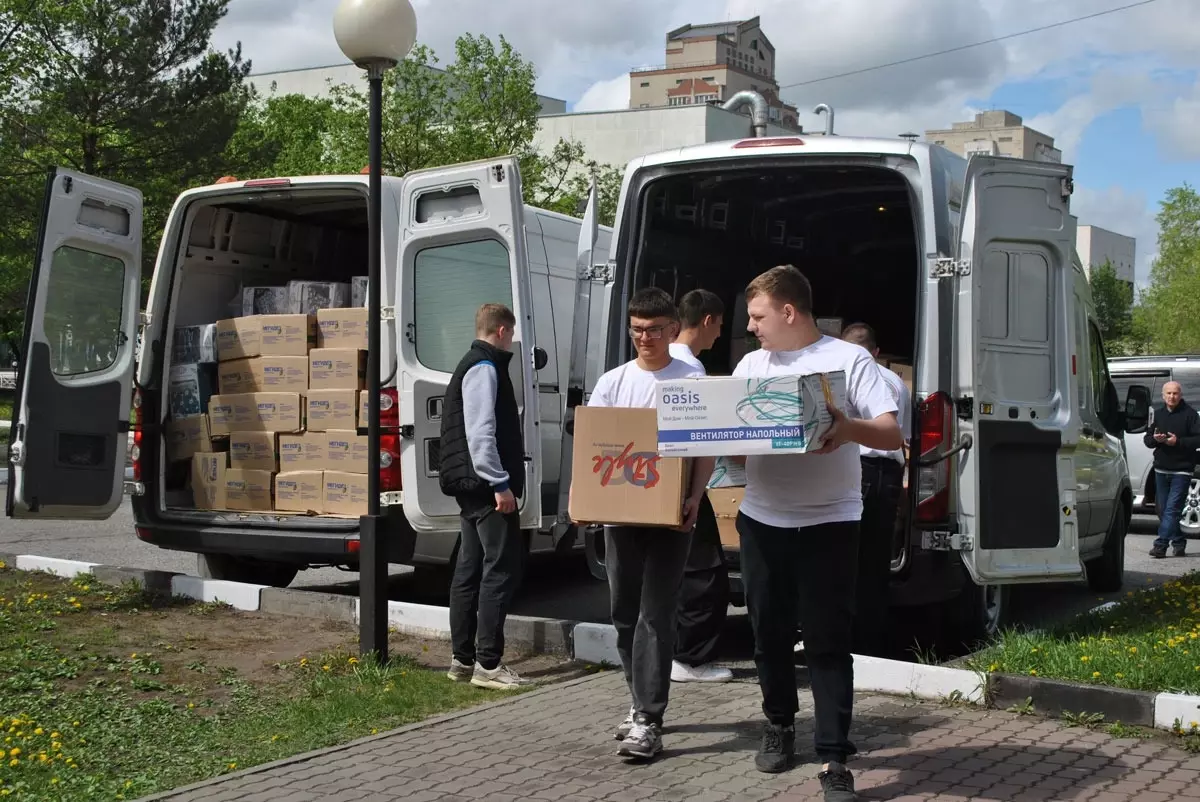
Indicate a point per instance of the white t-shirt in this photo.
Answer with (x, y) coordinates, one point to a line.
(630, 386)
(904, 401)
(800, 490)
(684, 354)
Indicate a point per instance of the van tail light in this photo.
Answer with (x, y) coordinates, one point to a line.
(389, 462)
(935, 419)
(389, 407)
(135, 455)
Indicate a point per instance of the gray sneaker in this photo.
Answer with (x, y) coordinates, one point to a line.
(459, 672)
(500, 678)
(644, 740)
(625, 726)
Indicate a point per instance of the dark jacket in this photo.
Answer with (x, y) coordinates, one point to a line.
(1184, 423)
(457, 474)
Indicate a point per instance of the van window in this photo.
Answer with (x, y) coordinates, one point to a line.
(1099, 366)
(450, 283)
(84, 302)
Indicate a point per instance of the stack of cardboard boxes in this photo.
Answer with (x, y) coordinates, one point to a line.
(281, 431)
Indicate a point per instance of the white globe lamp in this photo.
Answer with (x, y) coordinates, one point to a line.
(375, 32)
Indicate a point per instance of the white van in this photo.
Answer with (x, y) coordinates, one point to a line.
(966, 271)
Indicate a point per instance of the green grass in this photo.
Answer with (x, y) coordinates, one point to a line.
(1149, 642)
(85, 715)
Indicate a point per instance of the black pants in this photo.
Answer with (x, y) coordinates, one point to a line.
(704, 593)
(488, 572)
(645, 566)
(882, 483)
(804, 574)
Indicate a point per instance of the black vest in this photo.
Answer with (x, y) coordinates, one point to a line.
(457, 473)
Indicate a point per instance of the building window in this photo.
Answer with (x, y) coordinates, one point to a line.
(678, 81)
(754, 44)
(708, 78)
(645, 84)
(644, 106)
(1006, 139)
(939, 141)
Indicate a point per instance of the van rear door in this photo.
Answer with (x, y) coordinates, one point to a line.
(1015, 372)
(69, 435)
(462, 244)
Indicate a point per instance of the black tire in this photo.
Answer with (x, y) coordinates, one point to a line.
(1106, 573)
(980, 613)
(593, 549)
(246, 569)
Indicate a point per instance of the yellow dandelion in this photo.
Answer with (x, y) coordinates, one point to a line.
(1095, 675)
(1084, 659)
(1033, 672)
(39, 731)
(232, 766)
(1120, 675)
(352, 661)
(325, 668)
(191, 705)
(14, 763)
(1133, 650)
(16, 750)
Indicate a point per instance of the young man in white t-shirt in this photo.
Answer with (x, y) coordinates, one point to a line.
(799, 524)
(882, 485)
(645, 564)
(704, 593)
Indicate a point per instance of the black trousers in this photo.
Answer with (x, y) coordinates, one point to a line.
(704, 593)
(485, 579)
(882, 484)
(804, 574)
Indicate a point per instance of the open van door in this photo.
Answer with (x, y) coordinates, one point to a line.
(1015, 385)
(462, 244)
(67, 445)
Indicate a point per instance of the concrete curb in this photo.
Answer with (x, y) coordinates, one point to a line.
(1049, 697)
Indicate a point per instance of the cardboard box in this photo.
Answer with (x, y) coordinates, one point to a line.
(344, 493)
(337, 369)
(358, 290)
(208, 480)
(256, 412)
(309, 297)
(303, 452)
(186, 437)
(248, 490)
(264, 374)
(194, 344)
(332, 409)
(617, 474)
(264, 301)
(342, 328)
(346, 451)
(265, 335)
(190, 388)
(300, 491)
(730, 416)
(727, 473)
(254, 451)
(725, 503)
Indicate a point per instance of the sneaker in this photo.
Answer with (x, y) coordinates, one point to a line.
(799, 647)
(682, 672)
(500, 678)
(777, 749)
(838, 784)
(624, 727)
(643, 741)
(1180, 551)
(1158, 552)
(459, 672)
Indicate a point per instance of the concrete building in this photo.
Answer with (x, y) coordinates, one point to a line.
(1097, 245)
(996, 133)
(315, 82)
(709, 64)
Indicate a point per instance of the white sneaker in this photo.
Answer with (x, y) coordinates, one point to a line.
(500, 678)
(624, 727)
(459, 672)
(681, 672)
(799, 646)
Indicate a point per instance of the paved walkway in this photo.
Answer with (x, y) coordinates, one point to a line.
(556, 744)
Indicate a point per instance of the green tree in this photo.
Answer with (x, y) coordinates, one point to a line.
(1172, 313)
(1114, 301)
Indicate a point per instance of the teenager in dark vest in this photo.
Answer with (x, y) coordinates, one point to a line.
(483, 467)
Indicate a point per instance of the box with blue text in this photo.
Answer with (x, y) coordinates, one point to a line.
(736, 415)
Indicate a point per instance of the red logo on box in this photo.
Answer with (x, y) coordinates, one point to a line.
(638, 469)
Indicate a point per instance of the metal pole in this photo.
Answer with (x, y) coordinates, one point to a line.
(372, 569)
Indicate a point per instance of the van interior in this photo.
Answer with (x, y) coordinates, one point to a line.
(266, 238)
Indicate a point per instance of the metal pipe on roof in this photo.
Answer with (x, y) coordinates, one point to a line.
(758, 109)
(827, 110)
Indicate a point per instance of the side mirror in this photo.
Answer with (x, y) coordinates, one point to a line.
(540, 358)
(1137, 409)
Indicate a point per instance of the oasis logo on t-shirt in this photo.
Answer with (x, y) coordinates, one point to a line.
(639, 469)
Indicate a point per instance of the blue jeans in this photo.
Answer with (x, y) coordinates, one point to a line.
(1171, 491)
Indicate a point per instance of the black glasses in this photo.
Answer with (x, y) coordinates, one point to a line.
(651, 332)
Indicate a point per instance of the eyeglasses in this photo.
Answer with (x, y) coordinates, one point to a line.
(651, 332)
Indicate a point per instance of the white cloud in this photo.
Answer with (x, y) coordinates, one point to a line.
(1124, 212)
(605, 95)
(1176, 123)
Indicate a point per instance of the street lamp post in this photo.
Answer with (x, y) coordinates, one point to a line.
(375, 35)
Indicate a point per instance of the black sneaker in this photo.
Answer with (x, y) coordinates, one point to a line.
(838, 784)
(1180, 551)
(1158, 552)
(777, 749)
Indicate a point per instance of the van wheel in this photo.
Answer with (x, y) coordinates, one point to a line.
(981, 611)
(1189, 521)
(1106, 573)
(246, 569)
(593, 549)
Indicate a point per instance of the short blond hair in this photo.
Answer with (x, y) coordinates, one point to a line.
(784, 284)
(491, 317)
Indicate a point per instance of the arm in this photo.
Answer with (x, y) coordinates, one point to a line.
(881, 433)
(479, 412)
(1191, 440)
(876, 426)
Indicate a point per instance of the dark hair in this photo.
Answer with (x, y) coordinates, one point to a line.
(651, 302)
(491, 317)
(860, 334)
(697, 305)
(784, 284)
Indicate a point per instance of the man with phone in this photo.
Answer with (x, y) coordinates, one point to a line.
(1174, 434)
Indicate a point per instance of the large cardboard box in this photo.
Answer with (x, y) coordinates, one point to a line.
(617, 475)
(329, 410)
(208, 480)
(264, 374)
(300, 491)
(190, 388)
(265, 335)
(346, 450)
(186, 437)
(303, 452)
(730, 416)
(256, 412)
(725, 503)
(344, 493)
(254, 451)
(337, 369)
(342, 328)
(247, 490)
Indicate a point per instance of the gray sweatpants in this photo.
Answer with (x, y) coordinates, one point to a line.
(645, 567)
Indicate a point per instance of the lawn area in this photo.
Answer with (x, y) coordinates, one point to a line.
(1150, 641)
(113, 693)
